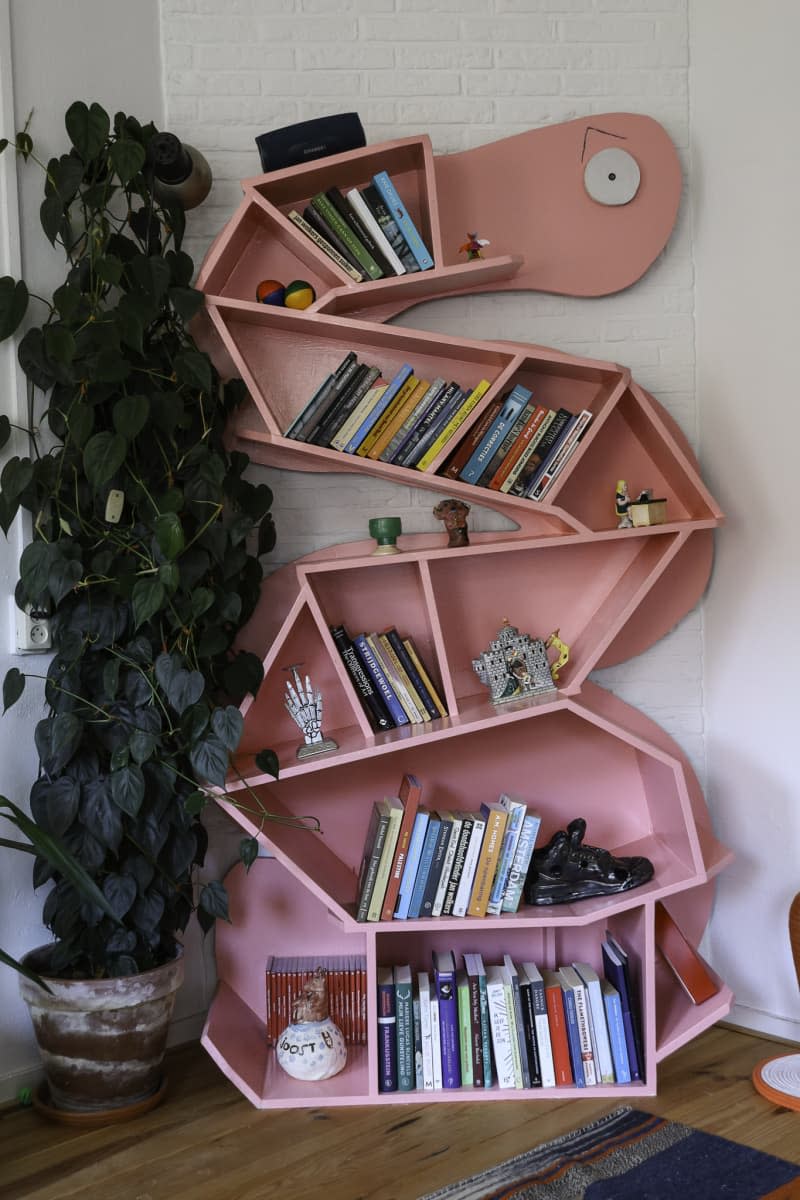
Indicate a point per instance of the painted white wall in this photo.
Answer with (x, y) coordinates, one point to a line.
(61, 50)
(745, 200)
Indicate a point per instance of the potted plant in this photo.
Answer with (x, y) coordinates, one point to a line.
(145, 560)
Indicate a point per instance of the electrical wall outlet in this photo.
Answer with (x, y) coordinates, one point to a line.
(33, 630)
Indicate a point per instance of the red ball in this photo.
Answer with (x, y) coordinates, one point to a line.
(270, 291)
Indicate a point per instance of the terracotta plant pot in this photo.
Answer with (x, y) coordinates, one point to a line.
(102, 1041)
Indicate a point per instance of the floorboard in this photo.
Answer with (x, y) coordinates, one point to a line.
(205, 1142)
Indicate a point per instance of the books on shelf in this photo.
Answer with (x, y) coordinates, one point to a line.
(597, 1021)
(368, 694)
(368, 222)
(617, 971)
(337, 223)
(444, 976)
(346, 976)
(391, 198)
(387, 1031)
(410, 793)
(392, 684)
(495, 817)
(502, 423)
(392, 807)
(404, 1031)
(326, 245)
(574, 988)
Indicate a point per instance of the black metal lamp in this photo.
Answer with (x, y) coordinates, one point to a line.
(181, 173)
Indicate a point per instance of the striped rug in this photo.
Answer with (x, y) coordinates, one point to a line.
(632, 1155)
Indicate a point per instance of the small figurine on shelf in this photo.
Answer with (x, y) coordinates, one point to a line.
(454, 514)
(386, 531)
(566, 869)
(312, 1047)
(514, 667)
(304, 706)
(563, 654)
(644, 510)
(472, 246)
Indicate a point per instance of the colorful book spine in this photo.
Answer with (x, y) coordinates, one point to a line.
(617, 971)
(353, 219)
(419, 1078)
(476, 977)
(409, 795)
(475, 465)
(370, 860)
(412, 420)
(444, 975)
(426, 1029)
(453, 822)
(424, 675)
(314, 219)
(460, 455)
(364, 213)
(453, 425)
(411, 401)
(362, 379)
(325, 245)
(389, 226)
(573, 982)
(412, 863)
(436, 1041)
(500, 1021)
(405, 1028)
(376, 674)
(529, 456)
(565, 451)
(521, 862)
(436, 867)
(396, 678)
(529, 1028)
(544, 1043)
(530, 431)
(330, 215)
(375, 710)
(464, 1028)
(557, 1028)
(551, 454)
(356, 418)
(426, 859)
(457, 869)
(325, 395)
(533, 465)
(573, 1035)
(516, 811)
(387, 857)
(378, 431)
(495, 818)
(424, 431)
(600, 1037)
(417, 682)
(505, 445)
(616, 1032)
(523, 1070)
(397, 208)
(363, 430)
(470, 865)
(387, 1035)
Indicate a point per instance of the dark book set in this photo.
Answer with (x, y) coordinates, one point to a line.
(391, 681)
(368, 232)
(508, 1024)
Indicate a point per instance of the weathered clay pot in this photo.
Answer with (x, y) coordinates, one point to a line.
(102, 1041)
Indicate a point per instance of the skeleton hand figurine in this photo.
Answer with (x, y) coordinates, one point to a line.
(304, 705)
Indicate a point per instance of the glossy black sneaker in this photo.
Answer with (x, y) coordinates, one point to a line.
(566, 869)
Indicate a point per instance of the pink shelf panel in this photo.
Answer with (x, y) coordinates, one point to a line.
(678, 1021)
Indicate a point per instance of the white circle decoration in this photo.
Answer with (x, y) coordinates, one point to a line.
(612, 176)
(783, 1074)
(312, 1050)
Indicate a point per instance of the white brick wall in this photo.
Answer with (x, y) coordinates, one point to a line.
(467, 72)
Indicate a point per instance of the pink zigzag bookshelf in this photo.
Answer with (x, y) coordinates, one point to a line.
(611, 592)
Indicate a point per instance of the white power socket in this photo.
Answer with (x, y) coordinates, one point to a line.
(33, 630)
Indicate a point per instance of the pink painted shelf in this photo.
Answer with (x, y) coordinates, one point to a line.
(611, 593)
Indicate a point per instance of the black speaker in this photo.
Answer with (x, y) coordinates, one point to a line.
(308, 140)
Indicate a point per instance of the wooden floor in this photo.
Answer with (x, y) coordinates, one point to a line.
(206, 1142)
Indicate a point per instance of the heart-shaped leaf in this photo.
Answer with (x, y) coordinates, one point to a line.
(147, 598)
(13, 687)
(227, 724)
(130, 415)
(169, 535)
(88, 128)
(127, 158)
(103, 455)
(13, 305)
(127, 789)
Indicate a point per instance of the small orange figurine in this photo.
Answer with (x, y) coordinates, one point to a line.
(472, 246)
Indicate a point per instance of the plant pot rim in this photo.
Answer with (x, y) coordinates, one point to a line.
(113, 986)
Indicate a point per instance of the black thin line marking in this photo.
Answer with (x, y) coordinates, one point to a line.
(593, 129)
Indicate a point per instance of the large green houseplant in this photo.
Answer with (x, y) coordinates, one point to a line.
(144, 555)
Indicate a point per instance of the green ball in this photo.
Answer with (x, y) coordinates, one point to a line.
(299, 294)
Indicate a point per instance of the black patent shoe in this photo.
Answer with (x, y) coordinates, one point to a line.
(566, 869)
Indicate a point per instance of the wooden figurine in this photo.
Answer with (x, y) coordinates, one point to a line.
(454, 514)
(312, 1047)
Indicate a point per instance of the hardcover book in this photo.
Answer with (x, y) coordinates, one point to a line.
(349, 399)
(426, 429)
(336, 222)
(521, 862)
(436, 1041)
(374, 708)
(405, 1028)
(364, 235)
(341, 385)
(616, 1032)
(557, 1026)
(387, 1036)
(617, 971)
(572, 983)
(411, 866)
(396, 678)
(461, 454)
(558, 462)
(386, 859)
(573, 1034)
(444, 974)
(317, 222)
(421, 693)
(424, 675)
(397, 208)
(368, 221)
(375, 414)
(410, 794)
(457, 868)
(526, 455)
(453, 425)
(374, 202)
(325, 245)
(398, 417)
(382, 685)
(528, 476)
(371, 856)
(495, 817)
(388, 415)
(516, 811)
(423, 870)
(505, 445)
(599, 1026)
(510, 410)
(437, 865)
(532, 430)
(549, 456)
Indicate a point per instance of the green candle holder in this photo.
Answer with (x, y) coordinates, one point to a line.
(386, 531)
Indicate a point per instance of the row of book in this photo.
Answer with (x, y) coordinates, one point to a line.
(512, 1024)
(419, 862)
(367, 232)
(518, 446)
(347, 992)
(391, 680)
(405, 420)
